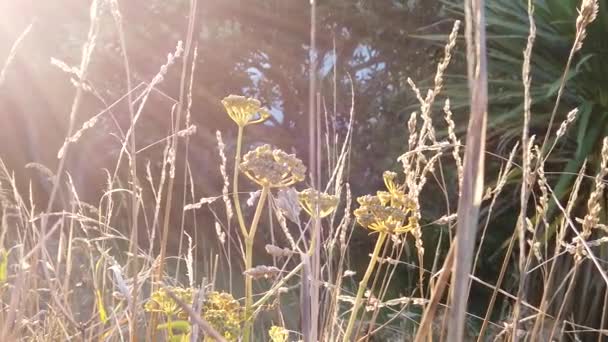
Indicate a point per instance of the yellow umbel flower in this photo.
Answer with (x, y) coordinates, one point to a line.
(388, 211)
(245, 111)
(272, 168)
(312, 200)
(395, 196)
(278, 334)
(389, 181)
(375, 215)
(161, 302)
(224, 313)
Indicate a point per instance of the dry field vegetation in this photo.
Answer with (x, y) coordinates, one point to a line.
(103, 271)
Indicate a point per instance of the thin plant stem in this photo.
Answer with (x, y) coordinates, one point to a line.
(235, 182)
(249, 238)
(501, 275)
(603, 319)
(571, 284)
(278, 285)
(363, 286)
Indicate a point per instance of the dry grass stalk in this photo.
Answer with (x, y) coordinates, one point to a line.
(42, 307)
(13, 52)
(472, 184)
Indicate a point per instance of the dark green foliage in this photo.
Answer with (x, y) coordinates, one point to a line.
(586, 88)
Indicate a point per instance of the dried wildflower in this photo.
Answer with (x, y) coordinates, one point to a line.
(220, 233)
(411, 126)
(283, 224)
(262, 271)
(224, 313)
(348, 273)
(200, 203)
(253, 196)
(387, 260)
(312, 201)
(396, 240)
(161, 302)
(446, 219)
(288, 205)
(245, 111)
(454, 140)
(191, 130)
(594, 207)
(120, 283)
(278, 252)
(221, 149)
(564, 125)
(391, 302)
(346, 218)
(278, 334)
(587, 13)
(272, 168)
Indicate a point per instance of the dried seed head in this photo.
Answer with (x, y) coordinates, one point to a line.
(594, 207)
(220, 233)
(587, 13)
(272, 168)
(262, 271)
(446, 219)
(278, 252)
(564, 125)
(253, 196)
(226, 184)
(288, 203)
(348, 273)
(313, 201)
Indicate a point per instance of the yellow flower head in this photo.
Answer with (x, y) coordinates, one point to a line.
(395, 196)
(224, 313)
(245, 111)
(388, 211)
(389, 181)
(272, 168)
(375, 215)
(161, 302)
(278, 334)
(312, 200)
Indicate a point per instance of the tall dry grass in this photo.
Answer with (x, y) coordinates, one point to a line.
(72, 270)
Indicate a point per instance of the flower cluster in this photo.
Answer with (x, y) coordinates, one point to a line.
(161, 302)
(220, 309)
(224, 313)
(245, 111)
(272, 168)
(312, 201)
(388, 211)
(278, 334)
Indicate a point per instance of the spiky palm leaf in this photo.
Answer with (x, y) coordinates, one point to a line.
(586, 87)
